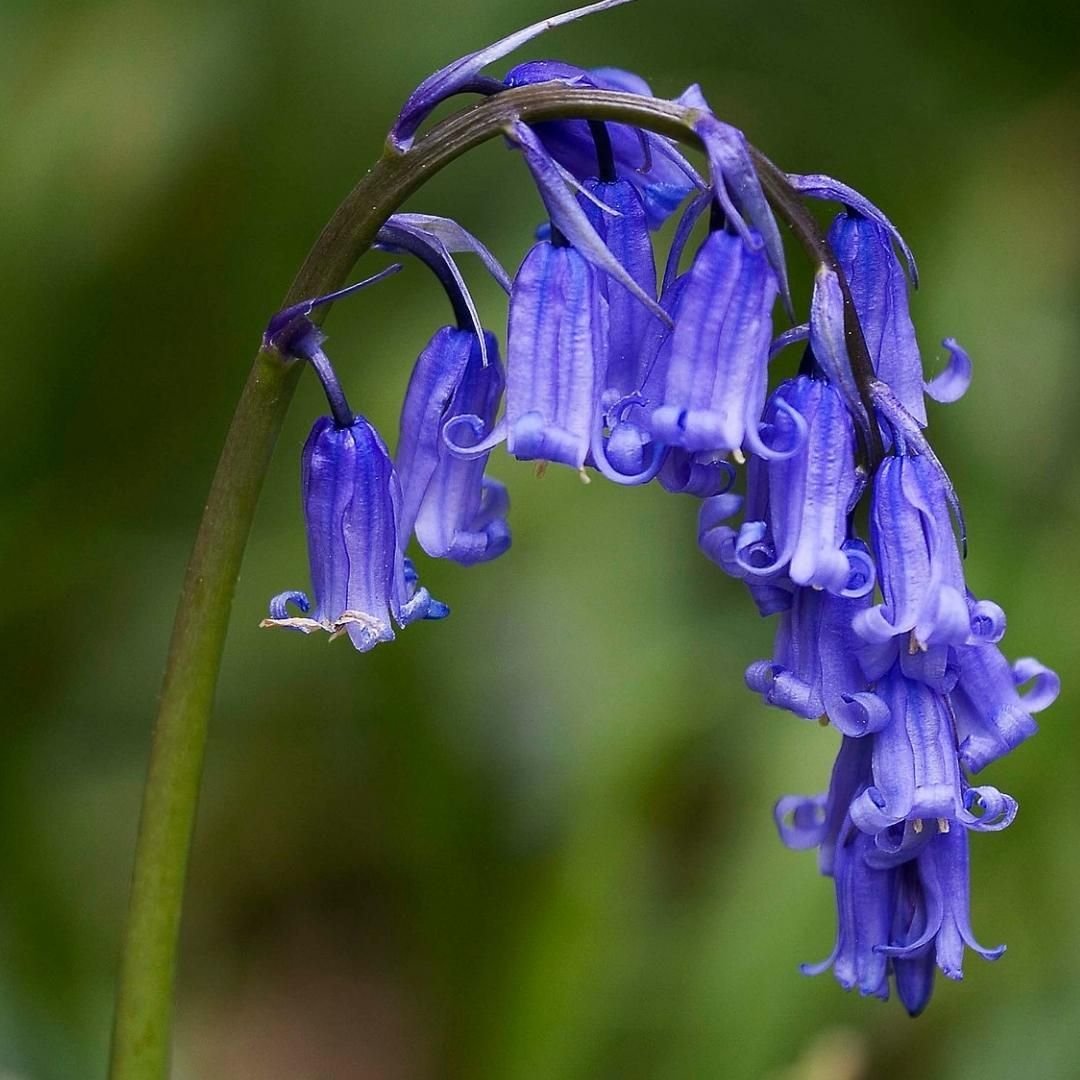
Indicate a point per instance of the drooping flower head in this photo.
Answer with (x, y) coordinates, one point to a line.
(558, 338)
(810, 485)
(352, 503)
(351, 500)
(456, 511)
(715, 361)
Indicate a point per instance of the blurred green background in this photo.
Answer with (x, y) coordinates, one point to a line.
(534, 841)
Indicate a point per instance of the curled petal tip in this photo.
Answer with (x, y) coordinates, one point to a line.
(1045, 683)
(952, 383)
(279, 604)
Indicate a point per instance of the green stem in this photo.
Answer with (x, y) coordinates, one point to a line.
(144, 1006)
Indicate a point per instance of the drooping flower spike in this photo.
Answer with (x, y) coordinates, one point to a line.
(609, 369)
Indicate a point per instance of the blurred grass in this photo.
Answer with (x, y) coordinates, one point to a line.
(534, 841)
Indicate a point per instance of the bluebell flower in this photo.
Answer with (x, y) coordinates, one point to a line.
(351, 500)
(714, 364)
(809, 491)
(901, 919)
(815, 670)
(604, 373)
(916, 773)
(879, 292)
(352, 505)
(992, 717)
(623, 230)
(901, 893)
(862, 238)
(931, 919)
(457, 512)
(864, 904)
(919, 565)
(557, 341)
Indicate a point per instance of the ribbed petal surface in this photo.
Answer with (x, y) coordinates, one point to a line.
(879, 289)
(456, 513)
(352, 505)
(557, 340)
(919, 566)
(630, 322)
(716, 371)
(810, 485)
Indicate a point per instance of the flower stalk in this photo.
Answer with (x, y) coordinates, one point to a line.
(144, 1007)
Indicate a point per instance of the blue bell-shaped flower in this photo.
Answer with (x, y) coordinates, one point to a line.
(352, 502)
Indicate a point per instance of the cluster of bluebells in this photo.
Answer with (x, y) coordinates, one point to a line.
(645, 377)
